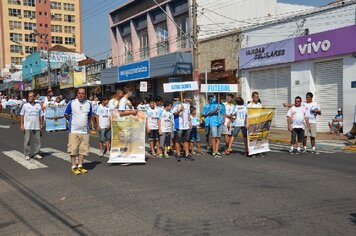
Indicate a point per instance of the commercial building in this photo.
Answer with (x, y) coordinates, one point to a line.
(314, 51)
(28, 26)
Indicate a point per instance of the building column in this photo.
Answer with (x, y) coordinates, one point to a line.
(120, 47)
(172, 30)
(135, 41)
(152, 38)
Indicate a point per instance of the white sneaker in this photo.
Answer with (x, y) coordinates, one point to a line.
(37, 156)
(27, 157)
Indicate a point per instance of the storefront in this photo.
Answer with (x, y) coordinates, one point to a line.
(323, 63)
(156, 71)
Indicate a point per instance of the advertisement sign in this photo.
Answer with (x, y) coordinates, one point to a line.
(326, 44)
(134, 71)
(92, 72)
(128, 138)
(180, 87)
(79, 76)
(65, 76)
(260, 120)
(267, 54)
(61, 57)
(55, 119)
(218, 88)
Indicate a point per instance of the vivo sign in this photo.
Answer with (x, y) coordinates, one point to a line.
(326, 44)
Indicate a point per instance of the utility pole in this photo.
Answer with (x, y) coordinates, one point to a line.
(46, 41)
(196, 53)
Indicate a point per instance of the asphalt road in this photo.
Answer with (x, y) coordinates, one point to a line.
(276, 195)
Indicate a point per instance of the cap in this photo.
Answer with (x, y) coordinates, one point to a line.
(339, 109)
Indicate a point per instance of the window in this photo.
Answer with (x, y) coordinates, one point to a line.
(14, 2)
(162, 38)
(16, 60)
(68, 6)
(46, 25)
(30, 49)
(30, 38)
(144, 46)
(183, 32)
(29, 26)
(56, 28)
(29, 14)
(56, 17)
(45, 13)
(57, 40)
(30, 3)
(69, 29)
(14, 12)
(69, 41)
(128, 48)
(56, 5)
(16, 37)
(41, 25)
(15, 25)
(69, 18)
(16, 48)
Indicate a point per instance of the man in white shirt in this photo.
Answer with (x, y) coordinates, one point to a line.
(103, 115)
(227, 130)
(78, 112)
(152, 127)
(313, 109)
(32, 124)
(114, 101)
(297, 119)
(125, 106)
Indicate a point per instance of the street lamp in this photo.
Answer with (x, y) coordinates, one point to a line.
(46, 41)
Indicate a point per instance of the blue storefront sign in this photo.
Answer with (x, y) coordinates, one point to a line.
(134, 71)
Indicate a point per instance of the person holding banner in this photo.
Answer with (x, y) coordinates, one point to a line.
(31, 116)
(205, 114)
(239, 123)
(114, 101)
(78, 112)
(256, 102)
(227, 130)
(182, 111)
(102, 115)
(217, 112)
(152, 127)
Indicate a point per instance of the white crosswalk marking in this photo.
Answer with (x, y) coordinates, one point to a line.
(19, 158)
(5, 126)
(97, 151)
(59, 154)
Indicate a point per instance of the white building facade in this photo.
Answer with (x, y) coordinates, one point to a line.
(312, 52)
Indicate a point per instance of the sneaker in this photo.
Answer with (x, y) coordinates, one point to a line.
(166, 156)
(178, 158)
(218, 154)
(304, 151)
(298, 152)
(314, 152)
(75, 171)
(27, 157)
(189, 157)
(101, 154)
(82, 170)
(291, 151)
(38, 156)
(160, 155)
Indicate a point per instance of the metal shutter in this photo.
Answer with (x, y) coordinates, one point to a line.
(273, 85)
(328, 94)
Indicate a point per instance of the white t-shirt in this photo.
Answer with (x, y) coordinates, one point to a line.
(124, 104)
(167, 120)
(240, 113)
(184, 123)
(113, 103)
(229, 107)
(142, 107)
(297, 114)
(254, 105)
(104, 115)
(32, 114)
(310, 107)
(79, 113)
(152, 118)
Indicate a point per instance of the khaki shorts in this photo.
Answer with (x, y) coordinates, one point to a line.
(78, 144)
(312, 133)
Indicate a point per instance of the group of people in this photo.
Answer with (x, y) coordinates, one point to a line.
(172, 127)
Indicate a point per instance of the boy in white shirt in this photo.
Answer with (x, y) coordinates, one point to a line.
(239, 123)
(102, 115)
(194, 134)
(165, 129)
(227, 129)
(152, 127)
(297, 119)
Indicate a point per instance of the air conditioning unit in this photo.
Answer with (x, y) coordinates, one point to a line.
(31, 17)
(19, 16)
(11, 28)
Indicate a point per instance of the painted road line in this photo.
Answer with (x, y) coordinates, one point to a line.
(20, 158)
(5, 126)
(59, 154)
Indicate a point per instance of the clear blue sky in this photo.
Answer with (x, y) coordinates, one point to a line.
(96, 27)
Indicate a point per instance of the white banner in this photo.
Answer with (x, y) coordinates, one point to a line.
(180, 87)
(218, 88)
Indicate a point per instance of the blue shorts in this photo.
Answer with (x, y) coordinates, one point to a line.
(216, 131)
(237, 130)
(104, 135)
(194, 135)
